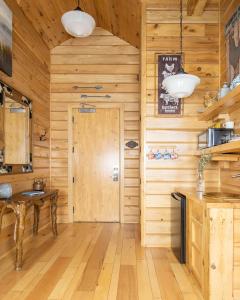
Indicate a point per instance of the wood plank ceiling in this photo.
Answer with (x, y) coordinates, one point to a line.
(121, 17)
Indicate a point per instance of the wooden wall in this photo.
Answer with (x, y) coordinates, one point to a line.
(227, 9)
(201, 49)
(31, 60)
(105, 60)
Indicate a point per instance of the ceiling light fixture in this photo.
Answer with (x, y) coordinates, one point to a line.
(78, 23)
(182, 84)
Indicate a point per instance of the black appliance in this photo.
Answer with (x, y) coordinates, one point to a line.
(178, 219)
(214, 136)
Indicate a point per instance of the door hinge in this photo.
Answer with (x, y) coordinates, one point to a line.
(140, 180)
(73, 209)
(73, 179)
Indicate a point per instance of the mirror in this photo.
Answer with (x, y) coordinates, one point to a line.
(15, 131)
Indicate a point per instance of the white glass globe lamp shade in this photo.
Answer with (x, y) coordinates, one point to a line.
(78, 23)
(181, 85)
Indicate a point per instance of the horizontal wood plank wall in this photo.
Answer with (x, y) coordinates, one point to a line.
(76, 66)
(227, 9)
(31, 76)
(201, 49)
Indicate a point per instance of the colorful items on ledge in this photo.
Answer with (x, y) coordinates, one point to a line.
(156, 154)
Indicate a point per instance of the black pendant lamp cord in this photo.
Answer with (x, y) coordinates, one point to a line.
(181, 70)
(181, 27)
(78, 5)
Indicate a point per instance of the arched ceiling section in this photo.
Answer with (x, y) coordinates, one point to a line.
(120, 17)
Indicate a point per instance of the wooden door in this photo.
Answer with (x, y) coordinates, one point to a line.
(96, 160)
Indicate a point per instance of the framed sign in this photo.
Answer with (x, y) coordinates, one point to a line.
(232, 33)
(166, 105)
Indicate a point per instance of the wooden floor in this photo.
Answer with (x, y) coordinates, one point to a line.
(95, 261)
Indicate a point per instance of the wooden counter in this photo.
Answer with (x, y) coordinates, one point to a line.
(213, 245)
(209, 202)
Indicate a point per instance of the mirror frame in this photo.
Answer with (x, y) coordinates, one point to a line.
(9, 92)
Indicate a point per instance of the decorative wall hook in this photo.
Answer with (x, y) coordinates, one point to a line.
(97, 87)
(131, 144)
(95, 96)
(43, 135)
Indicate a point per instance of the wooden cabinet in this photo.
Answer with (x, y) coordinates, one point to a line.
(213, 247)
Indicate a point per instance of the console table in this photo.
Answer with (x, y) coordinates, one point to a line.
(20, 205)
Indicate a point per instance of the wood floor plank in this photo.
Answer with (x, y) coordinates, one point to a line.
(127, 285)
(168, 285)
(104, 281)
(128, 252)
(144, 287)
(72, 287)
(96, 262)
(140, 251)
(183, 282)
(153, 276)
(115, 278)
(112, 247)
(12, 296)
(82, 295)
(49, 280)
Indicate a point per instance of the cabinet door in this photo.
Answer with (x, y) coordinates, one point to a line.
(196, 249)
(195, 241)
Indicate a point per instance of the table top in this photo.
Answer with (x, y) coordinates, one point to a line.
(20, 198)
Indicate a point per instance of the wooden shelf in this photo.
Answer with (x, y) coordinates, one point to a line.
(226, 157)
(227, 104)
(232, 147)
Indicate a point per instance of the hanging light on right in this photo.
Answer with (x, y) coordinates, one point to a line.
(182, 84)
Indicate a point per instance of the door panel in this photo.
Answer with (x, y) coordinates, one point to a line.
(96, 139)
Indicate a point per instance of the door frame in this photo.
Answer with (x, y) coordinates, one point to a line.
(120, 107)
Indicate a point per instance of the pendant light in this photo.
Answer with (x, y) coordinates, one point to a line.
(181, 85)
(78, 23)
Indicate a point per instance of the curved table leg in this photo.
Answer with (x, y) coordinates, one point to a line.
(20, 228)
(2, 208)
(36, 219)
(53, 208)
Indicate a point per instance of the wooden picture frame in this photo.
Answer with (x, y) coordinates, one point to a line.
(5, 38)
(166, 106)
(15, 132)
(232, 40)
